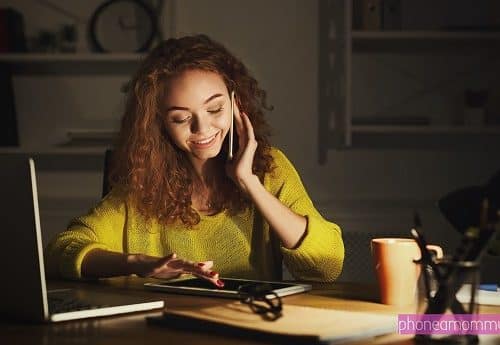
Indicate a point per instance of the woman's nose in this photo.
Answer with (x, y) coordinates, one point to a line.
(200, 125)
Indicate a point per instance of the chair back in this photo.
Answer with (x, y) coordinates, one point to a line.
(107, 169)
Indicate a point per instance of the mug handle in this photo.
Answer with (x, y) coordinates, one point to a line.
(437, 249)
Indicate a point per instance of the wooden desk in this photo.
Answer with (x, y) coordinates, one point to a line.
(132, 328)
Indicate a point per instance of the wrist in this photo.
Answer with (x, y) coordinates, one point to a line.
(249, 183)
(133, 263)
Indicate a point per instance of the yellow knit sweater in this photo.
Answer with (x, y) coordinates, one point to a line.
(240, 246)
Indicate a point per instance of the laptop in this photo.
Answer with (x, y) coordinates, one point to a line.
(23, 291)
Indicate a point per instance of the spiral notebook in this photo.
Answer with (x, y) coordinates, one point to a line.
(298, 323)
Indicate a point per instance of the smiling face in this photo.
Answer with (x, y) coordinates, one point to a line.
(198, 113)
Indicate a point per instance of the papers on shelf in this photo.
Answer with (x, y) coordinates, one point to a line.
(77, 137)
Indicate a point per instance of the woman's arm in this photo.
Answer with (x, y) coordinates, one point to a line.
(92, 247)
(312, 247)
(288, 225)
(100, 263)
(320, 252)
(100, 229)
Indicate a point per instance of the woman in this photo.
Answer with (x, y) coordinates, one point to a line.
(177, 204)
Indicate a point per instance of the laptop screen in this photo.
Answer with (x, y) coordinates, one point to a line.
(24, 291)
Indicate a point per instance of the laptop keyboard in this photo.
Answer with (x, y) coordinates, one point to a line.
(64, 304)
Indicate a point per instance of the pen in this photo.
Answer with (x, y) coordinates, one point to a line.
(483, 215)
(484, 235)
(426, 258)
(417, 236)
(422, 243)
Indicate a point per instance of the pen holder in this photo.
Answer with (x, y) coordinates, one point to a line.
(437, 294)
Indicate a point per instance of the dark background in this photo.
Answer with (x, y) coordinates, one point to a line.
(410, 68)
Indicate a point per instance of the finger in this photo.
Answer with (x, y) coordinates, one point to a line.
(203, 268)
(165, 270)
(191, 267)
(166, 259)
(249, 127)
(204, 271)
(251, 145)
(167, 275)
(205, 265)
(214, 280)
(210, 275)
(207, 274)
(181, 264)
(240, 127)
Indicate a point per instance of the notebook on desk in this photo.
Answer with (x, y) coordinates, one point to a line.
(23, 290)
(298, 323)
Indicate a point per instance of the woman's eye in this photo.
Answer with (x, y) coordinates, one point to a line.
(181, 120)
(215, 111)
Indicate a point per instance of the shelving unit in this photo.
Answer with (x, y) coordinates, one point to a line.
(91, 150)
(425, 35)
(431, 130)
(338, 42)
(67, 64)
(67, 57)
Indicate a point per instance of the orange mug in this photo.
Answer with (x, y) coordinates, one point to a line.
(397, 272)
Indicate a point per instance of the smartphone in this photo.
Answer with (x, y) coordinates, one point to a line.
(231, 128)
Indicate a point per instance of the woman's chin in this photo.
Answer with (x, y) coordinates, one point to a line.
(207, 154)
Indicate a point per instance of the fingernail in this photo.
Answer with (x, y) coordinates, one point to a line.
(201, 264)
(213, 273)
(220, 283)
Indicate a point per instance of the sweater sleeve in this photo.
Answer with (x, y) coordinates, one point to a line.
(320, 254)
(101, 228)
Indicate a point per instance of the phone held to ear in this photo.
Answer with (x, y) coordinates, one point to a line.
(231, 128)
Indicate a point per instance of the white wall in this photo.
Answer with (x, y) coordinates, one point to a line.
(364, 190)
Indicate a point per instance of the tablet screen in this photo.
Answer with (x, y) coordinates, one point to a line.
(233, 288)
(229, 284)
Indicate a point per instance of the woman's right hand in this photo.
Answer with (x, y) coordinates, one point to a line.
(170, 267)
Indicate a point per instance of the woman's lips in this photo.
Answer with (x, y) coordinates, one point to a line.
(205, 143)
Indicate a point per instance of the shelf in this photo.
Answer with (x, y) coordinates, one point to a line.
(341, 47)
(425, 35)
(93, 150)
(68, 57)
(91, 134)
(434, 138)
(426, 130)
(71, 63)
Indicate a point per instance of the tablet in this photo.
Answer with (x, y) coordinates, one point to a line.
(198, 286)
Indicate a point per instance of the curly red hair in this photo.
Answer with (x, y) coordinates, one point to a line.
(154, 173)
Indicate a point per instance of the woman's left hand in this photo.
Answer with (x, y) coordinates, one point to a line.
(240, 167)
